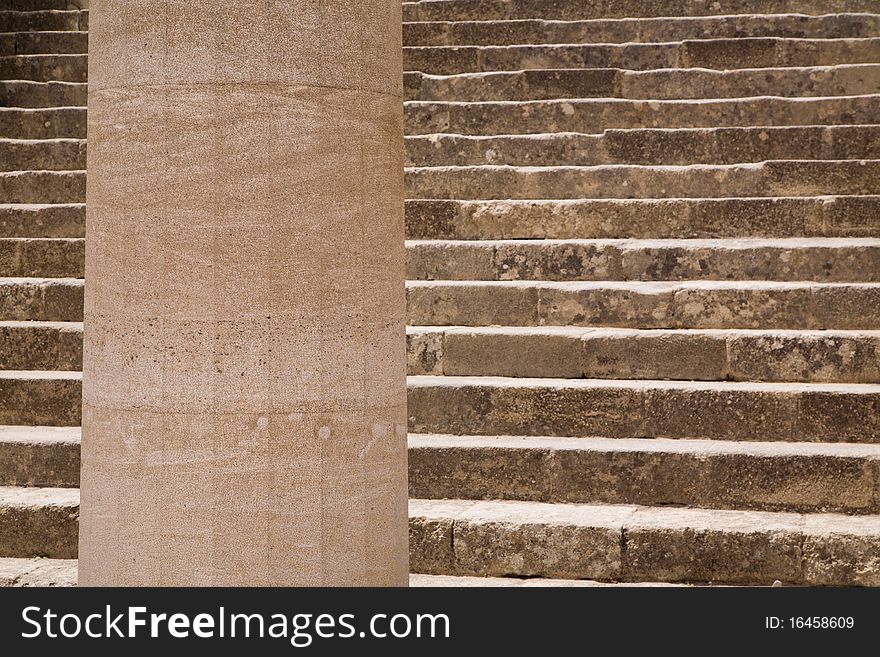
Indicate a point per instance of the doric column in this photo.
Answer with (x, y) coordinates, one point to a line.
(244, 415)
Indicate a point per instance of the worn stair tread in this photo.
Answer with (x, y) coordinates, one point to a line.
(718, 54)
(655, 84)
(646, 146)
(41, 375)
(417, 580)
(572, 114)
(38, 436)
(24, 572)
(577, 9)
(645, 30)
(33, 497)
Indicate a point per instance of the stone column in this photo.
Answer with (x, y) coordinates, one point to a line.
(244, 414)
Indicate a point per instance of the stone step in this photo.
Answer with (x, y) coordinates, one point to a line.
(799, 477)
(451, 581)
(34, 220)
(826, 216)
(43, 186)
(40, 398)
(595, 115)
(770, 178)
(738, 53)
(39, 522)
(40, 345)
(645, 305)
(661, 84)
(42, 154)
(572, 10)
(644, 30)
(799, 259)
(42, 257)
(746, 411)
(633, 543)
(44, 43)
(43, 124)
(830, 356)
(43, 21)
(44, 5)
(27, 93)
(45, 68)
(46, 572)
(675, 146)
(39, 456)
(41, 299)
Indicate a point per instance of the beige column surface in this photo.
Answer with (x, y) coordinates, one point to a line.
(244, 399)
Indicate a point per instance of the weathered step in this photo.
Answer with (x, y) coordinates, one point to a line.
(801, 477)
(42, 154)
(43, 186)
(596, 115)
(622, 181)
(764, 52)
(45, 68)
(38, 572)
(43, 124)
(39, 456)
(632, 543)
(571, 10)
(828, 216)
(27, 93)
(41, 299)
(42, 257)
(39, 522)
(40, 345)
(451, 581)
(40, 398)
(661, 84)
(43, 21)
(675, 146)
(690, 304)
(612, 353)
(799, 259)
(43, 43)
(44, 5)
(35, 220)
(749, 411)
(644, 30)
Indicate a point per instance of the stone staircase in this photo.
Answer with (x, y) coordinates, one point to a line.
(644, 290)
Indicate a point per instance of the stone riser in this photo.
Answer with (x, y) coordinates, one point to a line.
(591, 353)
(712, 54)
(847, 216)
(44, 43)
(666, 147)
(40, 399)
(750, 411)
(596, 115)
(43, 94)
(43, 21)
(629, 543)
(39, 522)
(771, 179)
(668, 84)
(43, 187)
(41, 346)
(42, 299)
(571, 10)
(685, 305)
(782, 477)
(670, 260)
(45, 68)
(49, 258)
(63, 221)
(40, 123)
(645, 30)
(46, 155)
(39, 456)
